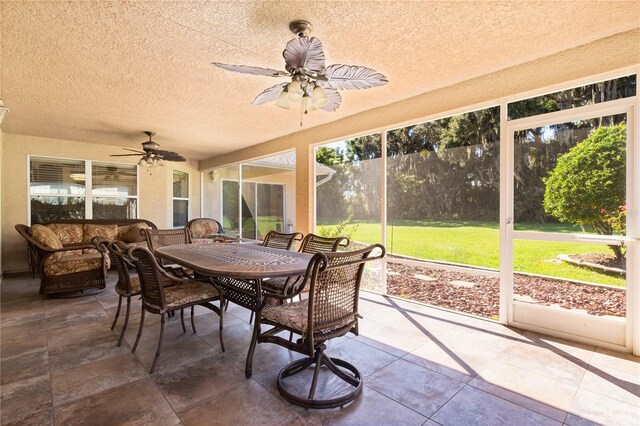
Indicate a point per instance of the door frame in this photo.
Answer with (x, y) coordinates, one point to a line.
(615, 334)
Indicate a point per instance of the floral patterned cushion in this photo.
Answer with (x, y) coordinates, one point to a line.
(183, 294)
(293, 315)
(67, 233)
(201, 228)
(132, 233)
(69, 263)
(203, 240)
(45, 237)
(90, 230)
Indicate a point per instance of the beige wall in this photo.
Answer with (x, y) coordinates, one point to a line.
(154, 192)
(612, 53)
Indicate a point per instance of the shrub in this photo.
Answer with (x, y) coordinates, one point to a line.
(339, 230)
(587, 186)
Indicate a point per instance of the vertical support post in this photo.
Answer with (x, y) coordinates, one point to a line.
(88, 193)
(506, 217)
(633, 228)
(383, 209)
(240, 200)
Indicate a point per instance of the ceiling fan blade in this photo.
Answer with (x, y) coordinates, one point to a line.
(126, 155)
(269, 95)
(134, 150)
(334, 99)
(349, 77)
(304, 52)
(245, 69)
(169, 155)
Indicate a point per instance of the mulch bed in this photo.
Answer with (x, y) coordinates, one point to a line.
(480, 295)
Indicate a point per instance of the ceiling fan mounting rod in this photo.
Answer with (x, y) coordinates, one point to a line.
(300, 28)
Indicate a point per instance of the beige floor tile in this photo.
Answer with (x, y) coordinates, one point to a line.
(613, 383)
(207, 378)
(617, 360)
(455, 363)
(541, 394)
(23, 367)
(136, 403)
(176, 352)
(418, 388)
(365, 358)
(248, 403)
(555, 365)
(590, 408)
(88, 379)
(25, 396)
(472, 406)
(370, 408)
(43, 417)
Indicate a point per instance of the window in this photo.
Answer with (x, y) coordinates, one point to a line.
(114, 191)
(180, 198)
(80, 189)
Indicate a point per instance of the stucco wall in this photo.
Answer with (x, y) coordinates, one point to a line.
(154, 192)
(608, 54)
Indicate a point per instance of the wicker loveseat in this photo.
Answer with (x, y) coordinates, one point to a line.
(62, 255)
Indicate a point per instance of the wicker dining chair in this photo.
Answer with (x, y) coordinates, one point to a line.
(157, 238)
(331, 311)
(279, 240)
(160, 299)
(127, 286)
(311, 244)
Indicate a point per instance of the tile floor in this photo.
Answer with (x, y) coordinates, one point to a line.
(60, 365)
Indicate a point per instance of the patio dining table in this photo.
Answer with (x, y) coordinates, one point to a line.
(238, 269)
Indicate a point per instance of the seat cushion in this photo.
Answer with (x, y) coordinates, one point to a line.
(193, 292)
(69, 263)
(275, 284)
(135, 287)
(293, 315)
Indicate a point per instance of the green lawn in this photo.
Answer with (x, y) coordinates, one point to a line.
(477, 243)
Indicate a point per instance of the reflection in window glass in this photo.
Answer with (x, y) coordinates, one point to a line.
(114, 179)
(45, 209)
(180, 213)
(52, 176)
(230, 211)
(115, 208)
(604, 91)
(180, 184)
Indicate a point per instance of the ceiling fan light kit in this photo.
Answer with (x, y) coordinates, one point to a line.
(312, 84)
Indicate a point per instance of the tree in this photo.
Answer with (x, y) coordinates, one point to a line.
(587, 186)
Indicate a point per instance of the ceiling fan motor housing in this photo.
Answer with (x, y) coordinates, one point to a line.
(150, 146)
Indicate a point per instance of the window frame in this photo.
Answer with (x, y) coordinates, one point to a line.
(88, 190)
(174, 198)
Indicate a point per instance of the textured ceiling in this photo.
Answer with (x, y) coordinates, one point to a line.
(103, 72)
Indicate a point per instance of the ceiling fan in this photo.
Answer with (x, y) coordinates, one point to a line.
(315, 85)
(151, 155)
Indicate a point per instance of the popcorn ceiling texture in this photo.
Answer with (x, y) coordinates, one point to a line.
(102, 72)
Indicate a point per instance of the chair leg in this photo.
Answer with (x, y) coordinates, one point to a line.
(316, 372)
(251, 318)
(135, 346)
(184, 329)
(155, 359)
(193, 323)
(221, 315)
(126, 321)
(115, 319)
(252, 347)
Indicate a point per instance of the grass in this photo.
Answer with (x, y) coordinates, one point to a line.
(478, 244)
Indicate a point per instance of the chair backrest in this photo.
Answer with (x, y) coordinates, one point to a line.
(157, 238)
(279, 240)
(203, 227)
(334, 289)
(150, 279)
(118, 255)
(312, 244)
